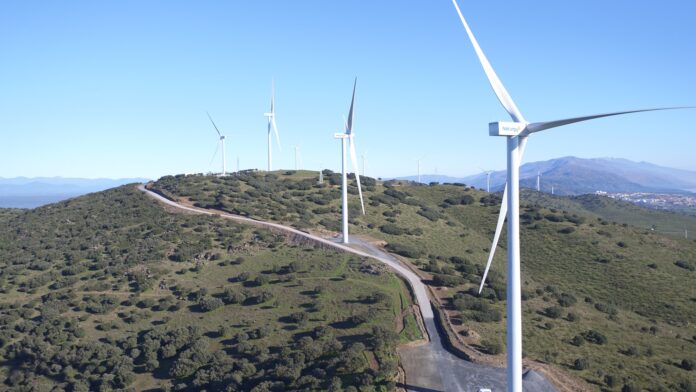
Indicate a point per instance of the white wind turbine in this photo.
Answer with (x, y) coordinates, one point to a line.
(348, 135)
(538, 181)
(516, 133)
(272, 124)
(222, 143)
(419, 167)
(488, 179)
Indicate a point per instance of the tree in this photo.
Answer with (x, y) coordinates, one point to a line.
(208, 304)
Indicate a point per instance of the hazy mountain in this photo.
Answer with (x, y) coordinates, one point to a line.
(574, 176)
(23, 192)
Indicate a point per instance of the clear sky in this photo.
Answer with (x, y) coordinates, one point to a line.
(120, 88)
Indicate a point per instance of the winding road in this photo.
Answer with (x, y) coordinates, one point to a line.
(429, 367)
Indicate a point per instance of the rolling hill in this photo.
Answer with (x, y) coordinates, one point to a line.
(23, 192)
(111, 291)
(609, 302)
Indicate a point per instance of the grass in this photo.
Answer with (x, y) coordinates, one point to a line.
(598, 252)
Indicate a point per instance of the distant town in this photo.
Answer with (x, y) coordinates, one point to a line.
(685, 203)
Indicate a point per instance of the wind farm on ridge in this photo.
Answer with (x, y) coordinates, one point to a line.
(323, 277)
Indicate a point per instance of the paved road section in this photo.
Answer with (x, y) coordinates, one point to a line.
(428, 367)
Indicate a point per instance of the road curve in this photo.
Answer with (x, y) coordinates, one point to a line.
(428, 367)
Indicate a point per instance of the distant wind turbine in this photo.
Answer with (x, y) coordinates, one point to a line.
(516, 133)
(222, 143)
(538, 181)
(349, 135)
(419, 167)
(488, 179)
(272, 124)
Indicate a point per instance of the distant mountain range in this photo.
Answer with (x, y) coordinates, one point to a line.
(575, 176)
(23, 192)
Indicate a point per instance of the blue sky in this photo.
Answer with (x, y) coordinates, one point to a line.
(120, 89)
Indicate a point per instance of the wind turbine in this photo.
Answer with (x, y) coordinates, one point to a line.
(419, 162)
(222, 143)
(348, 135)
(516, 133)
(272, 124)
(488, 179)
(538, 181)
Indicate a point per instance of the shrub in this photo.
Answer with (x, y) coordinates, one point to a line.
(577, 341)
(553, 312)
(488, 316)
(685, 264)
(446, 280)
(392, 229)
(429, 214)
(232, 296)
(567, 230)
(492, 346)
(566, 300)
(595, 337)
(404, 250)
(208, 304)
(581, 364)
(688, 364)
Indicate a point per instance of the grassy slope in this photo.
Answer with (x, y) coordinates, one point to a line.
(89, 244)
(598, 262)
(665, 222)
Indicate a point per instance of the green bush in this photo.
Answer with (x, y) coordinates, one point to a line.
(492, 346)
(581, 364)
(685, 264)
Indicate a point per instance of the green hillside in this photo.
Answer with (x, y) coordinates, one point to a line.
(613, 304)
(110, 291)
(665, 222)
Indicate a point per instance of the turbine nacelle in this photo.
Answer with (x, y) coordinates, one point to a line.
(269, 114)
(506, 128)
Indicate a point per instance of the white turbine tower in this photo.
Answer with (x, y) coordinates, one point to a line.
(538, 181)
(516, 133)
(419, 168)
(488, 179)
(272, 124)
(222, 143)
(348, 135)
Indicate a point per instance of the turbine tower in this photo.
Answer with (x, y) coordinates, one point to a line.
(349, 135)
(222, 143)
(488, 179)
(419, 173)
(272, 124)
(538, 181)
(516, 133)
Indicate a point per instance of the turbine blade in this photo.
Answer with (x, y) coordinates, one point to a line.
(496, 84)
(275, 129)
(541, 126)
(214, 154)
(501, 219)
(354, 160)
(496, 237)
(215, 126)
(273, 96)
(349, 123)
